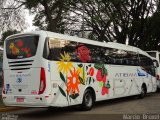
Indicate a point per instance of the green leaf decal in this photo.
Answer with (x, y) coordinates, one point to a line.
(80, 65)
(81, 80)
(86, 67)
(106, 72)
(98, 66)
(103, 72)
(93, 80)
(62, 77)
(74, 96)
(89, 80)
(107, 86)
(89, 65)
(62, 91)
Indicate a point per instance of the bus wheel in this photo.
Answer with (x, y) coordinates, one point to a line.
(143, 91)
(88, 100)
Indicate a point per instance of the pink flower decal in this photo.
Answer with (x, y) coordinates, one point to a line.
(100, 77)
(83, 53)
(26, 50)
(29, 55)
(104, 90)
(91, 71)
(19, 43)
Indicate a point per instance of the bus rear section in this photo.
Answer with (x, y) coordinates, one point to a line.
(156, 55)
(24, 80)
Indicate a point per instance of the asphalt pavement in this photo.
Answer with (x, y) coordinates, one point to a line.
(128, 108)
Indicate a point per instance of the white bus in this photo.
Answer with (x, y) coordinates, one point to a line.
(156, 55)
(43, 69)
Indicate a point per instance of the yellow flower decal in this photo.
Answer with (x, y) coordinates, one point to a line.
(65, 57)
(11, 46)
(82, 74)
(63, 66)
(73, 82)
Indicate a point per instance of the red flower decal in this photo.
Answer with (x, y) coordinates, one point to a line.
(83, 53)
(104, 90)
(100, 77)
(19, 43)
(26, 50)
(91, 71)
(14, 51)
(22, 49)
(29, 55)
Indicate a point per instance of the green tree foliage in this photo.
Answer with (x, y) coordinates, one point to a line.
(11, 15)
(50, 14)
(6, 34)
(106, 20)
(118, 20)
(152, 32)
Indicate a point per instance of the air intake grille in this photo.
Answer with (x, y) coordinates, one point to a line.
(20, 65)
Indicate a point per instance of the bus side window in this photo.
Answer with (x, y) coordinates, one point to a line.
(59, 49)
(97, 54)
(147, 64)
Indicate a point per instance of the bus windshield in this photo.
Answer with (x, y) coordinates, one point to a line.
(22, 47)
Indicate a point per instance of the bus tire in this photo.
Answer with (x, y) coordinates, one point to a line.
(143, 91)
(88, 100)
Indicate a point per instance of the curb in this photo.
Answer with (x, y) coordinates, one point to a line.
(7, 109)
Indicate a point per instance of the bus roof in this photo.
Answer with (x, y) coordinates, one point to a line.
(84, 40)
(152, 51)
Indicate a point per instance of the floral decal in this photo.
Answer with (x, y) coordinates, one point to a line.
(73, 82)
(64, 65)
(18, 48)
(19, 43)
(81, 74)
(102, 78)
(68, 76)
(83, 53)
(65, 57)
(86, 74)
(14, 49)
(91, 71)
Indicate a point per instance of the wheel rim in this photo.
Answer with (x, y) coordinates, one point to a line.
(88, 100)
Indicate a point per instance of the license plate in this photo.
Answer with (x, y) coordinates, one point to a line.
(20, 99)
